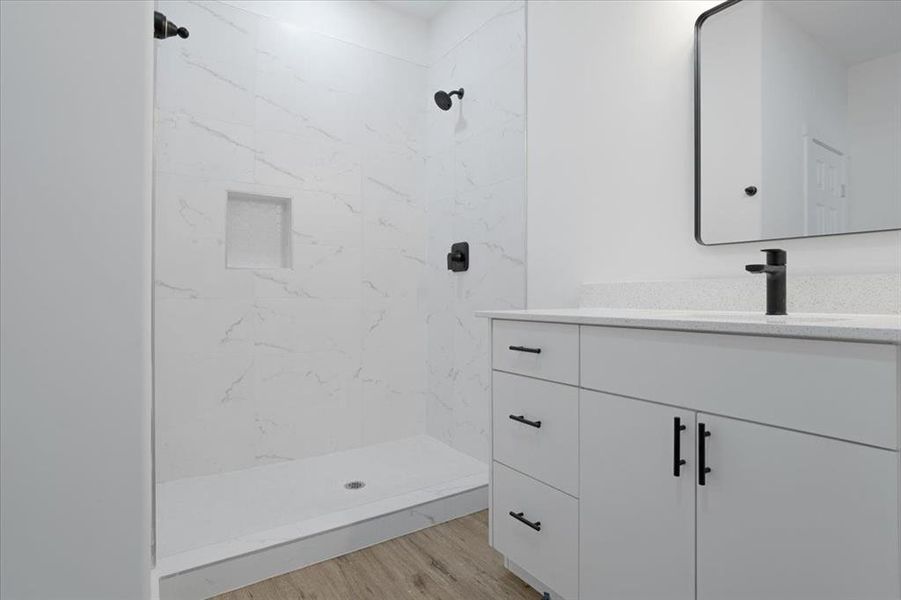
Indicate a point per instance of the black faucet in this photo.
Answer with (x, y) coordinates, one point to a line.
(775, 270)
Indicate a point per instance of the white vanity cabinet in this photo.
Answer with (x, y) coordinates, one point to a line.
(787, 516)
(792, 494)
(537, 429)
(637, 506)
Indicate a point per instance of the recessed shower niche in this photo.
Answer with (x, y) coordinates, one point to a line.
(258, 232)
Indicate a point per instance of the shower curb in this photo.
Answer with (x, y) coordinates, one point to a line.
(204, 581)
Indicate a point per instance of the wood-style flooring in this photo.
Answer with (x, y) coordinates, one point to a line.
(451, 561)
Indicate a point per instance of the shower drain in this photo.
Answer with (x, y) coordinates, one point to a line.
(354, 485)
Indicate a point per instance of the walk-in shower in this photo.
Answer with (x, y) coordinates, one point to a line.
(308, 333)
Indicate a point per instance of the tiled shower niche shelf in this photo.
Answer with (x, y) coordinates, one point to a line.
(258, 232)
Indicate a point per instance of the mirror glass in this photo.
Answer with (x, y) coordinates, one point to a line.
(798, 119)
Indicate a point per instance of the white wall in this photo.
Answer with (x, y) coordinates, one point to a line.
(805, 94)
(874, 120)
(75, 135)
(255, 366)
(610, 160)
(476, 193)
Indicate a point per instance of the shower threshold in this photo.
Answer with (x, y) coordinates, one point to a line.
(219, 532)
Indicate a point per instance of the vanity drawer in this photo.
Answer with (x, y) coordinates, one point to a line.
(544, 443)
(551, 554)
(545, 350)
(845, 390)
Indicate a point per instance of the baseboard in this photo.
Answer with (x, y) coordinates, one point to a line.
(233, 573)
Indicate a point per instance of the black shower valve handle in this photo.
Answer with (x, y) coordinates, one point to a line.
(458, 257)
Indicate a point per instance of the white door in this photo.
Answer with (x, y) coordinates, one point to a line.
(794, 516)
(826, 188)
(636, 516)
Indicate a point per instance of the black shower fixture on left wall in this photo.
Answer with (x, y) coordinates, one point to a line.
(443, 99)
(164, 28)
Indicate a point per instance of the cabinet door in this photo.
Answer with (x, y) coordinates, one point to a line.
(793, 516)
(636, 518)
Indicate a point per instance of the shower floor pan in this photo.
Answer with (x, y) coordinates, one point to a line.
(220, 532)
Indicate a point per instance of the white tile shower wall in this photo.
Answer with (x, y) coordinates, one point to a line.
(257, 366)
(476, 191)
(366, 23)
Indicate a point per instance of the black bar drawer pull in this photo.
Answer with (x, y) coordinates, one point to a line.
(522, 419)
(519, 517)
(678, 461)
(525, 349)
(703, 469)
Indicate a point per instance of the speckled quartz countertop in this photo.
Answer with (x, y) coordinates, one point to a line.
(861, 328)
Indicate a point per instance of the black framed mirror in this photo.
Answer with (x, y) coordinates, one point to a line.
(797, 119)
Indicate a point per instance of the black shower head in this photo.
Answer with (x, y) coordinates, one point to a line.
(443, 99)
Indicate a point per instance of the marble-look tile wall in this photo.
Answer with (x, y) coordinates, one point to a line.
(256, 366)
(476, 190)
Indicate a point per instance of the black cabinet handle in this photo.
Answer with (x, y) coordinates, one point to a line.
(519, 517)
(522, 419)
(525, 349)
(703, 469)
(678, 428)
